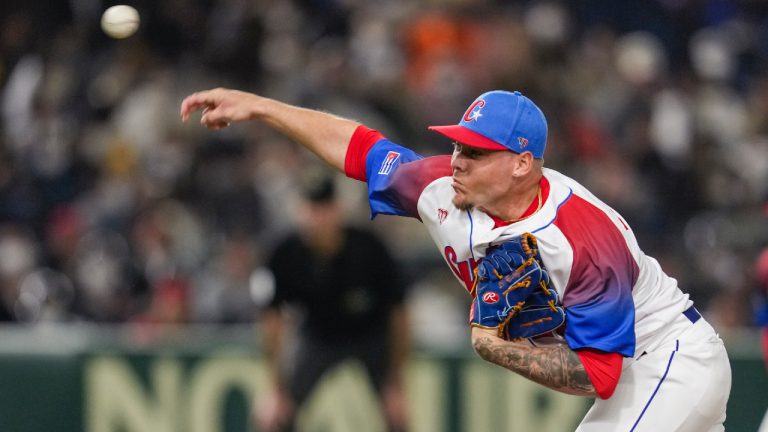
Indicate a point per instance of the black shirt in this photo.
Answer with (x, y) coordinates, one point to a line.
(345, 296)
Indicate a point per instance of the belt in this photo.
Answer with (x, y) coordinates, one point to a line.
(692, 314)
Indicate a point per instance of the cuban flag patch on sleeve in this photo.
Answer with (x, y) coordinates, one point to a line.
(389, 162)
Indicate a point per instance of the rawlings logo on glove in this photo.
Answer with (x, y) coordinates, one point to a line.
(512, 292)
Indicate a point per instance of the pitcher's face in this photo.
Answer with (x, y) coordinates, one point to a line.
(480, 177)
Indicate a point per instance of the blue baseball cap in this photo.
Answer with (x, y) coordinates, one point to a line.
(501, 120)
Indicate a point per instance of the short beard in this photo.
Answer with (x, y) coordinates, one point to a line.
(464, 205)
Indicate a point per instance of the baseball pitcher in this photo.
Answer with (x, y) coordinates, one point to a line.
(562, 293)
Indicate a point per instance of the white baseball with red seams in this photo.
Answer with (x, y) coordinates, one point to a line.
(120, 21)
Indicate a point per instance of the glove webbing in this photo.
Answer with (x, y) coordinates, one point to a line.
(512, 312)
(496, 273)
(550, 303)
(525, 283)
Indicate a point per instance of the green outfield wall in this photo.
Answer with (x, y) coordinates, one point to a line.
(207, 381)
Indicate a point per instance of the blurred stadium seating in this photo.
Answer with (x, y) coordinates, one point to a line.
(113, 211)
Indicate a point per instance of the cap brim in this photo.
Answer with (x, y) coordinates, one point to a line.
(468, 137)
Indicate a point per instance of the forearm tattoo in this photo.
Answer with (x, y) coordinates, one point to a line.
(556, 367)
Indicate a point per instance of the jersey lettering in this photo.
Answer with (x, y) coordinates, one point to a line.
(464, 270)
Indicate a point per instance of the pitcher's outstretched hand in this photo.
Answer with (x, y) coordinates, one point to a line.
(220, 107)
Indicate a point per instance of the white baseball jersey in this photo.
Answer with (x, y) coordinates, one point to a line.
(616, 298)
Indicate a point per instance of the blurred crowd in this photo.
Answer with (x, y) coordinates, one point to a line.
(112, 210)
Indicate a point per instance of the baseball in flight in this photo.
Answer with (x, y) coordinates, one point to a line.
(120, 21)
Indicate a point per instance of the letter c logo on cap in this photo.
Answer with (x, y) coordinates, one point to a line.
(473, 112)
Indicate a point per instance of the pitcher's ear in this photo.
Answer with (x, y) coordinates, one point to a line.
(523, 164)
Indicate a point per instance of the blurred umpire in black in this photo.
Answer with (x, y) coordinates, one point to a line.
(349, 294)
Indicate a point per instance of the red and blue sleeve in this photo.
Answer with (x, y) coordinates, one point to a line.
(600, 311)
(396, 175)
(359, 145)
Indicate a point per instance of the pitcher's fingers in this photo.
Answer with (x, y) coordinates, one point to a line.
(190, 105)
(213, 124)
(194, 102)
(211, 116)
(219, 125)
(215, 118)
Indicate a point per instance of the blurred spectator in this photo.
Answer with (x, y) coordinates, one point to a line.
(108, 286)
(168, 303)
(350, 295)
(223, 288)
(18, 256)
(167, 307)
(168, 239)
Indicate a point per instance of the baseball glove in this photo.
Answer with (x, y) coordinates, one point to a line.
(512, 292)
